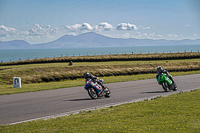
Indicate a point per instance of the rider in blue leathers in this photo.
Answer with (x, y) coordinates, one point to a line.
(89, 83)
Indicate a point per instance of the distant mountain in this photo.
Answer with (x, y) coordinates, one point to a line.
(89, 39)
(15, 44)
(92, 39)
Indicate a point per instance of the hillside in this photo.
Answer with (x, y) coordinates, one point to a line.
(92, 39)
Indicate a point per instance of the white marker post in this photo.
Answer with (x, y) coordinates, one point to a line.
(16, 82)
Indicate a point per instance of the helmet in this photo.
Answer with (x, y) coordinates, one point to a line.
(159, 69)
(86, 75)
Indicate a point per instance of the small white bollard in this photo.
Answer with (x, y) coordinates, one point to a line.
(16, 82)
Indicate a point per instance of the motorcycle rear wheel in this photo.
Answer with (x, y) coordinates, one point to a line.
(92, 93)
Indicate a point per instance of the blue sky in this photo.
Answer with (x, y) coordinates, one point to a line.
(39, 21)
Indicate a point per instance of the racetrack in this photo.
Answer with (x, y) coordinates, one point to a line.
(53, 103)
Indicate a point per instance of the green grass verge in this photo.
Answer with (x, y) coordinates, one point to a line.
(8, 89)
(175, 113)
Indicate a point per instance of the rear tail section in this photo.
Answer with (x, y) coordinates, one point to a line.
(169, 82)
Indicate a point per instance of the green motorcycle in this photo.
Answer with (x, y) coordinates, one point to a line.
(167, 84)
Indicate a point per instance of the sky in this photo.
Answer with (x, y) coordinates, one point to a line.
(40, 21)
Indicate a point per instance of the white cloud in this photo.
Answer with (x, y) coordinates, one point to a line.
(172, 37)
(84, 26)
(35, 33)
(48, 26)
(125, 26)
(195, 36)
(144, 28)
(73, 27)
(152, 35)
(102, 26)
(38, 30)
(105, 26)
(126, 35)
(159, 36)
(7, 31)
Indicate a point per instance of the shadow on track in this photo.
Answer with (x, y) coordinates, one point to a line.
(85, 99)
(79, 99)
(154, 92)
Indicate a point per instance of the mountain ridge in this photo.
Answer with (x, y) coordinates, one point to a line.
(92, 39)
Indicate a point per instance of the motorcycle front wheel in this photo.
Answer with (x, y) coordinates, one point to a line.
(107, 95)
(175, 87)
(165, 86)
(92, 93)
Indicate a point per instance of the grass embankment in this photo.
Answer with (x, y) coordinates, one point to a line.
(103, 58)
(174, 113)
(37, 73)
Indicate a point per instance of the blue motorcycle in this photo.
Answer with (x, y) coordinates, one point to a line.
(103, 90)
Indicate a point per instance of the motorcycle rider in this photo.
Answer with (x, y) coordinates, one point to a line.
(160, 70)
(89, 83)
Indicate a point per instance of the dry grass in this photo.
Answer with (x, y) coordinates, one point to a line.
(121, 57)
(36, 73)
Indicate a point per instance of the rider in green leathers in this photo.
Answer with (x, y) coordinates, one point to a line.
(160, 70)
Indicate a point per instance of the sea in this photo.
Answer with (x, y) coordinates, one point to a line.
(26, 54)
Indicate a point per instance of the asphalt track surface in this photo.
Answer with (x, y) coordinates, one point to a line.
(17, 108)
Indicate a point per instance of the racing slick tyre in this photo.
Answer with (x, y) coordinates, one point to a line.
(165, 86)
(107, 92)
(92, 93)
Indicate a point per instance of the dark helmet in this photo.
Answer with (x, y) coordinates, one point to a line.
(86, 75)
(159, 69)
